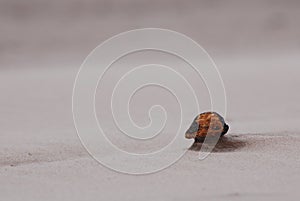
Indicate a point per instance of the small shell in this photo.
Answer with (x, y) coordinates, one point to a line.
(208, 124)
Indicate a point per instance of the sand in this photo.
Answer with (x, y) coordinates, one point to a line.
(42, 157)
(263, 167)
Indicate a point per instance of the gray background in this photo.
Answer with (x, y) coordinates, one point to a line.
(255, 45)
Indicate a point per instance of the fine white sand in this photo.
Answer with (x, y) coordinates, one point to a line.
(42, 158)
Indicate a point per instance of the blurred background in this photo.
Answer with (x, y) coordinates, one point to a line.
(62, 32)
(255, 45)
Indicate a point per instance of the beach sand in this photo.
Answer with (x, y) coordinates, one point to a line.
(245, 167)
(42, 157)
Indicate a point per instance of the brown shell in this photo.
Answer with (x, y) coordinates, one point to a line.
(208, 124)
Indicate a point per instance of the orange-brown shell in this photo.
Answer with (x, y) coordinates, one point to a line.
(208, 124)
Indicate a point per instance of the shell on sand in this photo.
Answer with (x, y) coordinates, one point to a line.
(208, 124)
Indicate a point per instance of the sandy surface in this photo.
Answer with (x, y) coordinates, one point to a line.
(42, 157)
(256, 47)
(263, 167)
